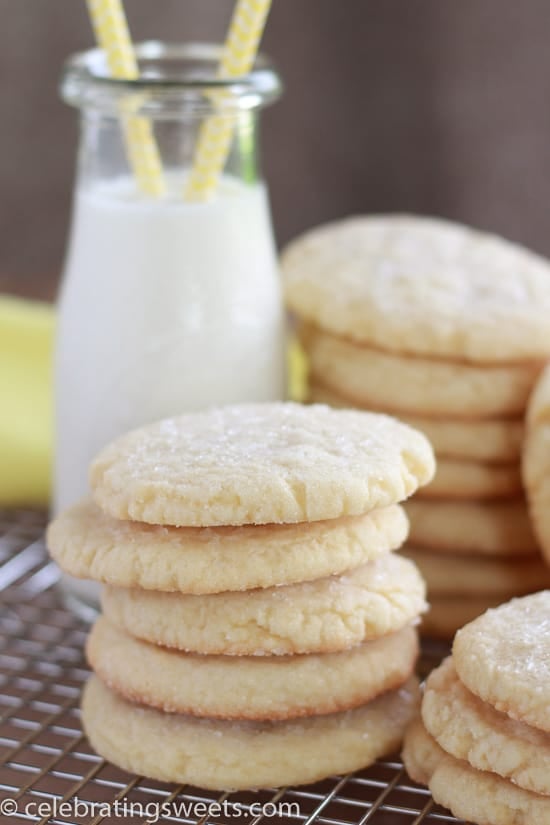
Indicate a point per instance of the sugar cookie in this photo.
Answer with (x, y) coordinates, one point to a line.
(499, 528)
(504, 658)
(89, 544)
(474, 575)
(469, 729)
(249, 687)
(244, 755)
(260, 464)
(422, 286)
(536, 461)
(382, 380)
(476, 796)
(493, 440)
(326, 615)
(471, 480)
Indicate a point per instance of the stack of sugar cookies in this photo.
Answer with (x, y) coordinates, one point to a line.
(257, 630)
(483, 742)
(446, 328)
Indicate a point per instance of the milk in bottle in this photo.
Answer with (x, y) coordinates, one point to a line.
(166, 306)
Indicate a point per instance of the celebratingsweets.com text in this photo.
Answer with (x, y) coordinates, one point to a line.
(150, 812)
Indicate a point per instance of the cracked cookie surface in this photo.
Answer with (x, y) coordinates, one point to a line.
(260, 464)
(470, 729)
(325, 615)
(504, 658)
(89, 544)
(421, 286)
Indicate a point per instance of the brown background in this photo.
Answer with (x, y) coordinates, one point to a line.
(436, 106)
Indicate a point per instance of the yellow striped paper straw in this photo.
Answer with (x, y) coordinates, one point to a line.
(112, 34)
(216, 134)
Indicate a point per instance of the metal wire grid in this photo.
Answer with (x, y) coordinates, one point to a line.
(45, 759)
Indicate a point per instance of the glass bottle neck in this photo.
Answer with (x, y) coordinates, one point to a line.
(177, 93)
(103, 152)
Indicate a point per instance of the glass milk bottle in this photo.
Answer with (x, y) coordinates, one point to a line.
(166, 305)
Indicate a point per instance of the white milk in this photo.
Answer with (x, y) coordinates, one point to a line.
(166, 307)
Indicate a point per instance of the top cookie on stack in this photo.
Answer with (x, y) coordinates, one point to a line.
(260, 464)
(421, 286)
(446, 328)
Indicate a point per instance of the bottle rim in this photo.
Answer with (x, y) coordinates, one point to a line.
(172, 76)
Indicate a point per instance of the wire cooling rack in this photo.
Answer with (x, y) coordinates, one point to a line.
(50, 775)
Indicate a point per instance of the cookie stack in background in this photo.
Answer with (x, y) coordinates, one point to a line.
(536, 461)
(447, 329)
(257, 628)
(483, 742)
